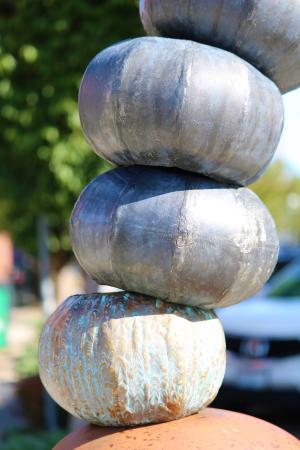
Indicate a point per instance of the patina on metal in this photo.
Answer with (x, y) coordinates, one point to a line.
(125, 359)
(265, 33)
(174, 235)
(176, 103)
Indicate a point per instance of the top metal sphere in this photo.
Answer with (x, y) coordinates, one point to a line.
(265, 33)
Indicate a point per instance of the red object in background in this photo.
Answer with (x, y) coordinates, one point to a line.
(6, 258)
(211, 429)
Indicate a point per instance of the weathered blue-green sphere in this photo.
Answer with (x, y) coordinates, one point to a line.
(126, 359)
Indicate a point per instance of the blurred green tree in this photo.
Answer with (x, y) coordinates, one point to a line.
(45, 47)
(280, 191)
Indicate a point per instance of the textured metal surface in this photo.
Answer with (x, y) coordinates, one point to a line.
(211, 429)
(174, 235)
(124, 359)
(264, 32)
(175, 103)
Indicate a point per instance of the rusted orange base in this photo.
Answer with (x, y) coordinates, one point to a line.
(211, 429)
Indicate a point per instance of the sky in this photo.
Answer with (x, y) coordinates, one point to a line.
(289, 146)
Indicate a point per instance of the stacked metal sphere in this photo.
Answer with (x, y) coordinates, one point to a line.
(175, 228)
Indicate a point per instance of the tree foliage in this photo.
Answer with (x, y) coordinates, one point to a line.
(280, 191)
(45, 47)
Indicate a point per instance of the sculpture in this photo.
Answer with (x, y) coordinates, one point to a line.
(167, 102)
(125, 359)
(174, 235)
(265, 33)
(186, 240)
(210, 429)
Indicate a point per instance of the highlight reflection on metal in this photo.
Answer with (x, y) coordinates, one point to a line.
(125, 359)
(264, 32)
(175, 103)
(174, 235)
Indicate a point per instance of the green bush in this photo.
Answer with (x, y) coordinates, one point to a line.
(27, 363)
(22, 440)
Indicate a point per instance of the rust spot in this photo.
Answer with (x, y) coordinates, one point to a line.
(175, 408)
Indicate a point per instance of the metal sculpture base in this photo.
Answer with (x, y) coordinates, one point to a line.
(210, 429)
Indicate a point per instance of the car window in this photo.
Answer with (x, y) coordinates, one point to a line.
(286, 282)
(288, 288)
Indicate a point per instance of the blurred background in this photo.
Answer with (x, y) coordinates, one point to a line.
(45, 46)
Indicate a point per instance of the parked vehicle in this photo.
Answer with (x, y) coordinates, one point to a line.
(263, 340)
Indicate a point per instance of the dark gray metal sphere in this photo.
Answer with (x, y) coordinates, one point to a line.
(174, 235)
(264, 32)
(175, 103)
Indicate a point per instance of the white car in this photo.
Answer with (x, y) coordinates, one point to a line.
(263, 337)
